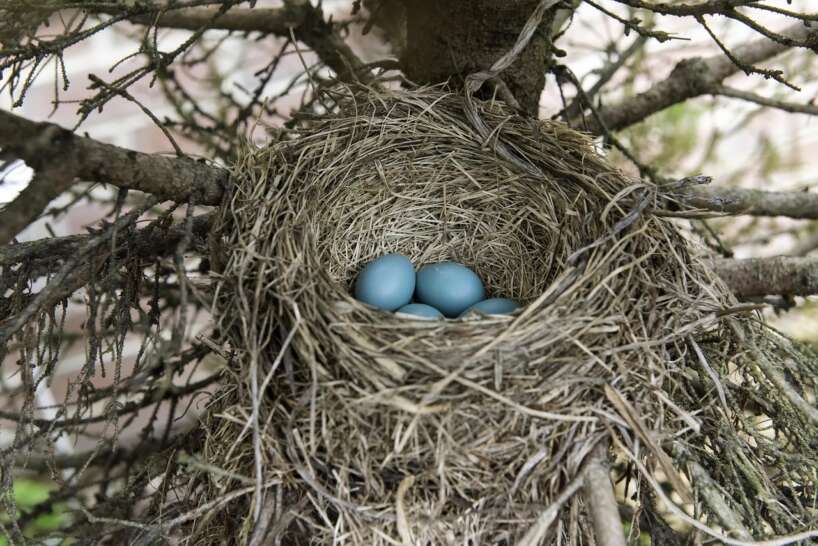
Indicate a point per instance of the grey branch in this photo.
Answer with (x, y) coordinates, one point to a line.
(792, 107)
(599, 495)
(305, 21)
(690, 78)
(781, 275)
(802, 205)
(32, 201)
(173, 178)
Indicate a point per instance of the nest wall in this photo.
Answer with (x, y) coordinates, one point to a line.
(361, 427)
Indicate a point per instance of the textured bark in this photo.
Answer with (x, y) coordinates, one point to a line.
(755, 277)
(173, 178)
(446, 40)
(792, 204)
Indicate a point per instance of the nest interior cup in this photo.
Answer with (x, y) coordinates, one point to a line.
(468, 425)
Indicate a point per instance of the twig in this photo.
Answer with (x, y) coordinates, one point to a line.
(792, 107)
(306, 22)
(46, 185)
(681, 514)
(537, 532)
(605, 75)
(690, 78)
(599, 494)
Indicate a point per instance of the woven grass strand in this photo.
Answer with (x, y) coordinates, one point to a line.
(380, 429)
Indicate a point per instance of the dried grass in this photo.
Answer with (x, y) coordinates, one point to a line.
(358, 427)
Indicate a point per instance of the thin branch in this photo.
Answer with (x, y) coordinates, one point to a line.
(792, 107)
(749, 69)
(605, 75)
(690, 78)
(151, 241)
(683, 9)
(599, 495)
(801, 205)
(305, 20)
(781, 275)
(178, 179)
(32, 201)
(155, 394)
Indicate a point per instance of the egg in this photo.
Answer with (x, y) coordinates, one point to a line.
(493, 306)
(448, 286)
(421, 310)
(387, 282)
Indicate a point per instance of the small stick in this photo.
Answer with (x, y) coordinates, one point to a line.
(599, 494)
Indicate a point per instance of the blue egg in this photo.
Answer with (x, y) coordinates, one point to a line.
(386, 283)
(493, 306)
(449, 286)
(421, 310)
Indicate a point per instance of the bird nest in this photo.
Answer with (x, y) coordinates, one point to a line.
(343, 424)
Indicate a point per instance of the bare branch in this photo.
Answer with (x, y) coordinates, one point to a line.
(690, 78)
(299, 16)
(599, 495)
(801, 205)
(782, 275)
(47, 184)
(684, 9)
(151, 241)
(792, 107)
(177, 179)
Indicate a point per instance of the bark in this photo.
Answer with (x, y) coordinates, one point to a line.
(174, 178)
(782, 275)
(446, 40)
(802, 205)
(599, 495)
(32, 201)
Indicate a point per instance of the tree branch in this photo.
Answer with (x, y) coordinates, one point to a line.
(690, 78)
(47, 184)
(801, 205)
(599, 495)
(172, 178)
(782, 275)
(792, 107)
(151, 241)
(300, 17)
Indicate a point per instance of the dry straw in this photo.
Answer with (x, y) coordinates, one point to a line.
(349, 425)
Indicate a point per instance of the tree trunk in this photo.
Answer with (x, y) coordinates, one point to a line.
(446, 40)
